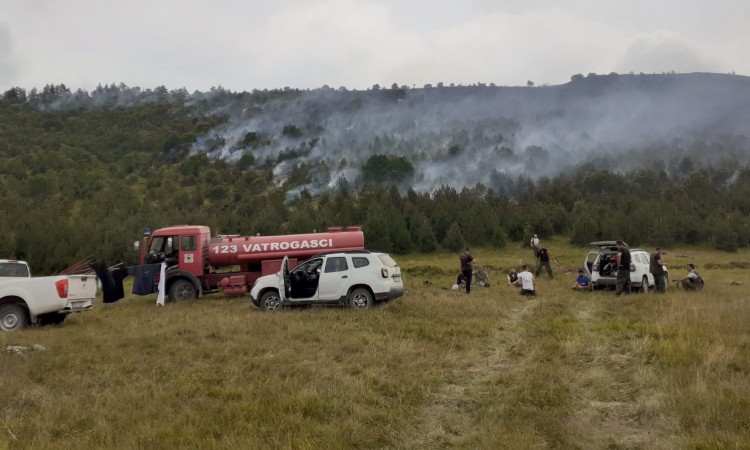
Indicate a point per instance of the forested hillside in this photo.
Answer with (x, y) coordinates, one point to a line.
(658, 159)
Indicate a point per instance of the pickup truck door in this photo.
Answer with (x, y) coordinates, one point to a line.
(334, 279)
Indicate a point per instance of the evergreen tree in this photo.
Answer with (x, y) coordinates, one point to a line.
(454, 240)
(424, 237)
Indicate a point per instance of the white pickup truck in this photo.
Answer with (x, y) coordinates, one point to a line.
(44, 300)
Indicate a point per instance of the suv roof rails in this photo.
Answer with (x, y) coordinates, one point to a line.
(341, 251)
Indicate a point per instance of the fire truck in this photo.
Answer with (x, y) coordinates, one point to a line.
(198, 264)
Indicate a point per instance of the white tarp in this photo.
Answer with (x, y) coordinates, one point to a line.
(162, 279)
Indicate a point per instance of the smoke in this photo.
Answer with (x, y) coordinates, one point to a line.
(8, 71)
(463, 135)
(459, 136)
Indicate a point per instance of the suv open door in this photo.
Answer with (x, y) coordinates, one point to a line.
(285, 284)
(588, 262)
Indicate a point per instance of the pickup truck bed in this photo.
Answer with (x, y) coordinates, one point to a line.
(44, 299)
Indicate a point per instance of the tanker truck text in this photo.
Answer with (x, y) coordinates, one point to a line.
(274, 246)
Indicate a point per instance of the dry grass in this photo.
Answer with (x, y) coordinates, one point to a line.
(435, 369)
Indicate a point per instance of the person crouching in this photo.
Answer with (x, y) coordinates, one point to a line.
(582, 281)
(526, 281)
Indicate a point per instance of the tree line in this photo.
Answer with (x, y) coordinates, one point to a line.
(83, 181)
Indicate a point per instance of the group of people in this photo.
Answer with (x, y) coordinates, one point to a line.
(527, 281)
(690, 282)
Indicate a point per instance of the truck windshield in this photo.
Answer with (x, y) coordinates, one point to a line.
(157, 244)
(162, 244)
(14, 270)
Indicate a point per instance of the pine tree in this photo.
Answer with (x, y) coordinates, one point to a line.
(425, 239)
(454, 239)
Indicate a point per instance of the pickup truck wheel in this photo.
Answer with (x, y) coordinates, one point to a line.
(270, 301)
(644, 285)
(52, 319)
(13, 317)
(182, 290)
(361, 298)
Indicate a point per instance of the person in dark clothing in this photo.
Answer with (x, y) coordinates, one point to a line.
(656, 267)
(512, 277)
(467, 261)
(623, 269)
(542, 260)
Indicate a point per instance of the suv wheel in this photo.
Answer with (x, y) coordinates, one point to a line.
(361, 298)
(270, 301)
(644, 285)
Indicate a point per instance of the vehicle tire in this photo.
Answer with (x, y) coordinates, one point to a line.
(52, 319)
(270, 301)
(182, 291)
(361, 298)
(644, 285)
(13, 317)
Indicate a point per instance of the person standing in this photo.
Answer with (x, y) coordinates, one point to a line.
(692, 281)
(467, 261)
(623, 269)
(527, 282)
(535, 244)
(542, 260)
(656, 267)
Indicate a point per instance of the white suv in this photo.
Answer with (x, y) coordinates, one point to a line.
(602, 266)
(356, 278)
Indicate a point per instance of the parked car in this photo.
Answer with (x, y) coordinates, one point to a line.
(358, 279)
(602, 266)
(43, 300)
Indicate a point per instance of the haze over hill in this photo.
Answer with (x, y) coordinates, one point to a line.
(459, 136)
(462, 135)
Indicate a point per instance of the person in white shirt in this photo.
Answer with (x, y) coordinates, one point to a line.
(535, 244)
(526, 281)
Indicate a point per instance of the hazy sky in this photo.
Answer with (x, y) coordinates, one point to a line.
(248, 44)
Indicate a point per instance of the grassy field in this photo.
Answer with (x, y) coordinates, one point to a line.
(434, 369)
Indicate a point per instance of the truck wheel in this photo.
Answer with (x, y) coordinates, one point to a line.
(361, 298)
(270, 301)
(13, 317)
(182, 290)
(644, 285)
(52, 319)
